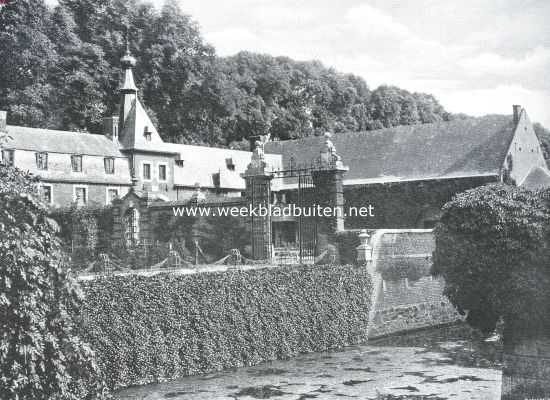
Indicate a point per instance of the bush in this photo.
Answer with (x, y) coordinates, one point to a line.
(41, 357)
(347, 243)
(492, 248)
(146, 329)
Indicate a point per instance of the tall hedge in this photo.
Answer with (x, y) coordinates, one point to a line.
(493, 250)
(148, 329)
(41, 355)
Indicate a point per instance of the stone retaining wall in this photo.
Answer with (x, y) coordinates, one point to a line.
(405, 295)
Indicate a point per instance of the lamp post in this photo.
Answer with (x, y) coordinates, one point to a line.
(364, 250)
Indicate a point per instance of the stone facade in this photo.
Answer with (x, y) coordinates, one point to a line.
(405, 298)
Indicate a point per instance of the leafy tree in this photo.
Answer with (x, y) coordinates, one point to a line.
(544, 137)
(41, 355)
(492, 248)
(26, 55)
(63, 70)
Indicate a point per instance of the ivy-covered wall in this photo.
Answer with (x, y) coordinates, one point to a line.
(148, 329)
(216, 235)
(405, 204)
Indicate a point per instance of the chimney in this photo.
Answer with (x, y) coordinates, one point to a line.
(110, 127)
(3, 122)
(517, 113)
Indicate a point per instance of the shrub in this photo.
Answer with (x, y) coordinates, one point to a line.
(147, 329)
(41, 357)
(347, 242)
(492, 248)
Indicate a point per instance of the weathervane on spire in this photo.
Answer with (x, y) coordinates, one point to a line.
(127, 39)
(127, 60)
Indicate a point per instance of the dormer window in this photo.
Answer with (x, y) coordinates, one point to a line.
(229, 163)
(147, 134)
(42, 161)
(76, 163)
(109, 163)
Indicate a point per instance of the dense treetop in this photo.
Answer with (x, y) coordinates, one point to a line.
(61, 69)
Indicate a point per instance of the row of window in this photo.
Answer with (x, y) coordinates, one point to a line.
(8, 157)
(80, 194)
(162, 172)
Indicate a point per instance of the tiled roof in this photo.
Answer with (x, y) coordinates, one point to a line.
(537, 178)
(460, 148)
(136, 124)
(203, 165)
(55, 141)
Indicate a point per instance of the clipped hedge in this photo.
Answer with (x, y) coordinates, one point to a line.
(149, 329)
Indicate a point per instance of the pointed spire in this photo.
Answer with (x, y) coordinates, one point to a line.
(128, 90)
(128, 63)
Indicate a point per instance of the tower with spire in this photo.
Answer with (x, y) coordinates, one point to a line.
(128, 90)
(135, 128)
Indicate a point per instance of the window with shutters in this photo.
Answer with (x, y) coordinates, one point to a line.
(146, 171)
(109, 163)
(76, 163)
(8, 157)
(47, 194)
(81, 195)
(162, 172)
(42, 161)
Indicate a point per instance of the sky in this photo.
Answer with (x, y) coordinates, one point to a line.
(476, 56)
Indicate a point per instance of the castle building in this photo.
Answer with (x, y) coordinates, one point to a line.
(406, 173)
(94, 169)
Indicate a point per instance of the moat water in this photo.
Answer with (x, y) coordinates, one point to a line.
(444, 363)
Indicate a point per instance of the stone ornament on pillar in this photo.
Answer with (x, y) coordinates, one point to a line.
(198, 196)
(257, 164)
(329, 158)
(364, 250)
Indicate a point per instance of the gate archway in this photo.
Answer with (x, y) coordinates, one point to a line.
(299, 189)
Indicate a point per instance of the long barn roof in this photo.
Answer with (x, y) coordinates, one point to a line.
(460, 148)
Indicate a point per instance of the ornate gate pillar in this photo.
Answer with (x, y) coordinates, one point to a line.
(328, 177)
(258, 196)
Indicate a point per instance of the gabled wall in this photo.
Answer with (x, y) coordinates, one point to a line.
(524, 152)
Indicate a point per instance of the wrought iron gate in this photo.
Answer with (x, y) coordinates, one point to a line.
(303, 196)
(307, 224)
